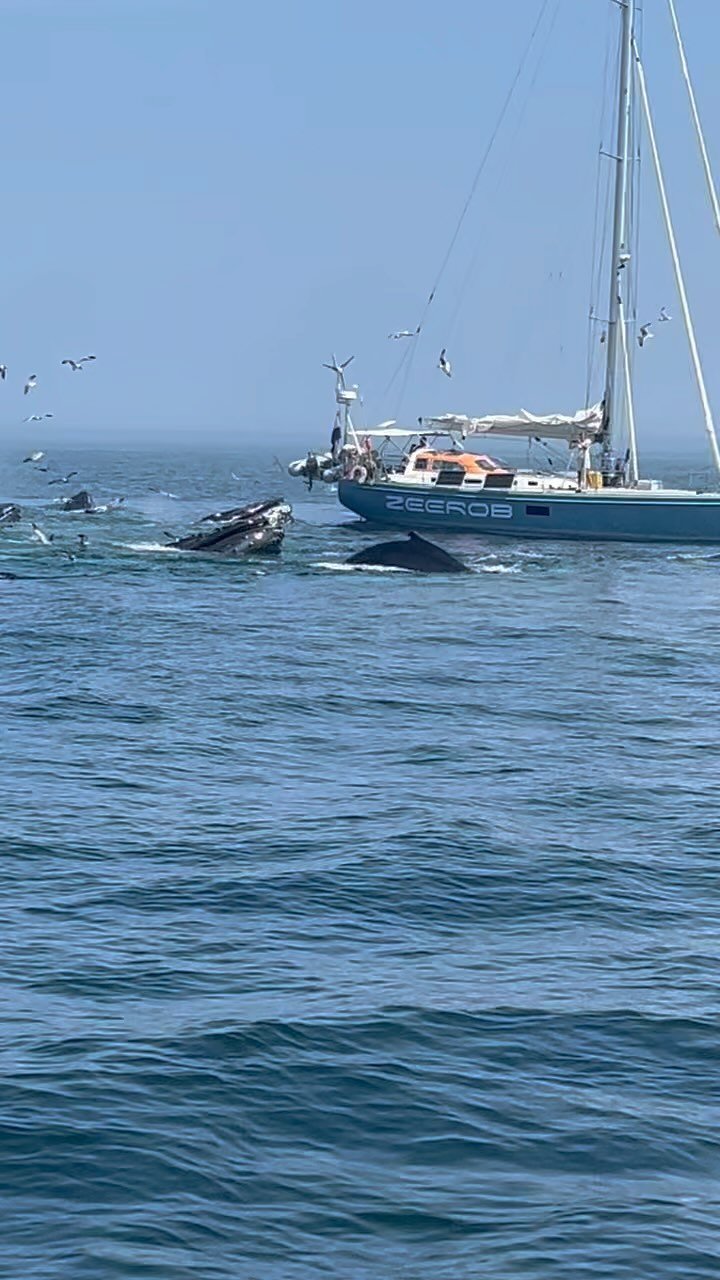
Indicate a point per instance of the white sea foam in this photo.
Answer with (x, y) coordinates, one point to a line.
(695, 557)
(147, 546)
(339, 567)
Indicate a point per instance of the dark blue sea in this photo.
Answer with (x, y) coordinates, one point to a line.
(353, 924)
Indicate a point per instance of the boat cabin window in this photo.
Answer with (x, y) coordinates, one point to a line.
(499, 480)
(421, 464)
(443, 464)
(450, 473)
(532, 509)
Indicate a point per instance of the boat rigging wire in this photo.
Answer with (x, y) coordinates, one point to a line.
(406, 359)
(500, 180)
(707, 167)
(599, 246)
(679, 278)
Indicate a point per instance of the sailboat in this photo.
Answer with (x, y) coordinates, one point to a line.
(437, 482)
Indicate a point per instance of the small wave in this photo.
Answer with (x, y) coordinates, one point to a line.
(696, 557)
(500, 568)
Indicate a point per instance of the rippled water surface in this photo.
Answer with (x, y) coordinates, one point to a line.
(353, 924)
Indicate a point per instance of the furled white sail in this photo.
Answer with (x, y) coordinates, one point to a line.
(556, 426)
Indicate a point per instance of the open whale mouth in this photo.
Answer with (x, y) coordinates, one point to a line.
(255, 529)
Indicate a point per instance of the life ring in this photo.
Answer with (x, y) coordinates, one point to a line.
(359, 473)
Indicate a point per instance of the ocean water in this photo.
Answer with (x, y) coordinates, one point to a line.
(353, 924)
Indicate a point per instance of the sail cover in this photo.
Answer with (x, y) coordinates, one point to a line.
(556, 426)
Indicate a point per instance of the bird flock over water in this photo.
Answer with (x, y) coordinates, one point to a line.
(444, 364)
(37, 455)
(37, 460)
(645, 332)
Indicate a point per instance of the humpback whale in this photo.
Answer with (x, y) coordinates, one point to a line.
(80, 501)
(252, 530)
(9, 513)
(415, 553)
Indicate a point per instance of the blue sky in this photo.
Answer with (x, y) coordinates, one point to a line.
(213, 195)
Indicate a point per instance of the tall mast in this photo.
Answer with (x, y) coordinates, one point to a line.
(619, 245)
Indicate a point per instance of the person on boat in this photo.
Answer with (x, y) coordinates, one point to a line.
(583, 447)
(421, 444)
(335, 441)
(312, 469)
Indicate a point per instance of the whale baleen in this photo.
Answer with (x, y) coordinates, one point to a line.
(252, 530)
(9, 513)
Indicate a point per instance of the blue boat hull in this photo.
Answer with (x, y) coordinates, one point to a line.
(588, 516)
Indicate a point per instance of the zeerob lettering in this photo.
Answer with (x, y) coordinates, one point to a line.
(470, 510)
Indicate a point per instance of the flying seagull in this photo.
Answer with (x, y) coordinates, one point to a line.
(76, 365)
(444, 364)
(40, 536)
(663, 315)
(35, 456)
(63, 479)
(64, 552)
(644, 335)
(37, 417)
(31, 382)
(3, 371)
(405, 333)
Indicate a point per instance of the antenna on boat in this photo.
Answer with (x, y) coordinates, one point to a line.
(344, 397)
(620, 251)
